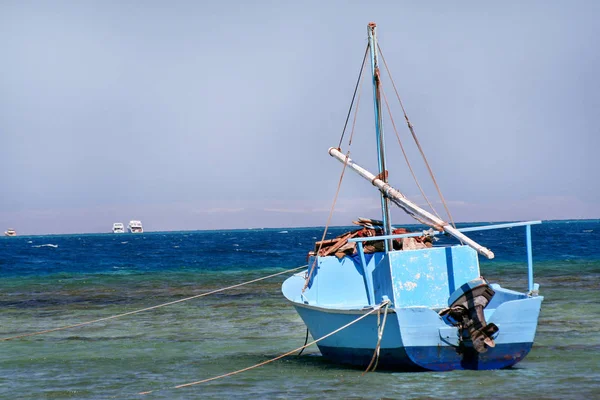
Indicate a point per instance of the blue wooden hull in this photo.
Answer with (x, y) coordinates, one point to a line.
(397, 359)
(415, 337)
(418, 345)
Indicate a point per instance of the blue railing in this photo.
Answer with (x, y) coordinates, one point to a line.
(431, 232)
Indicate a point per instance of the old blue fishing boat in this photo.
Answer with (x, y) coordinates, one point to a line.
(434, 310)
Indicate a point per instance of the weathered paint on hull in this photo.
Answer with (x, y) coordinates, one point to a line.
(442, 358)
(393, 359)
(355, 345)
(415, 337)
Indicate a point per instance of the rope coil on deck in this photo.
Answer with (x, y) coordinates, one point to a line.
(150, 308)
(375, 309)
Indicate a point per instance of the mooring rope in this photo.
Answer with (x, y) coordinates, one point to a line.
(151, 308)
(380, 328)
(377, 308)
(305, 341)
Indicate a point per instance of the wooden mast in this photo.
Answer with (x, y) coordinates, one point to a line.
(385, 208)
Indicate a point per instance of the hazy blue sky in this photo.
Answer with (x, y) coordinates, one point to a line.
(201, 115)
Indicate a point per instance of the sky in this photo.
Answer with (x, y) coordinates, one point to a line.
(218, 115)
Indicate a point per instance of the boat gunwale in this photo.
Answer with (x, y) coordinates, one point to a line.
(433, 232)
(356, 311)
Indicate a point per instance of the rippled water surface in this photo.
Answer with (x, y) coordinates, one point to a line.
(52, 281)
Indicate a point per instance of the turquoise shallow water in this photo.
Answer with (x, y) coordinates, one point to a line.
(84, 277)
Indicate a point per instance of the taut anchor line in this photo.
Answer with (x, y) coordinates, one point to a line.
(61, 328)
(377, 308)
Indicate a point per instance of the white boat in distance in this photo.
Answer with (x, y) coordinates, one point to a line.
(118, 227)
(135, 227)
(10, 232)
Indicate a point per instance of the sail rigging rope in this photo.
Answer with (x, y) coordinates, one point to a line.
(151, 308)
(376, 308)
(406, 157)
(354, 95)
(337, 192)
(412, 131)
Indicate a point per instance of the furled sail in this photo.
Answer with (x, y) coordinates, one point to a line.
(409, 207)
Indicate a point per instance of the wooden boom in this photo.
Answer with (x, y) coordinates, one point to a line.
(409, 207)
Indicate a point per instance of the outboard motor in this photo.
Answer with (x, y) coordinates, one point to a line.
(466, 312)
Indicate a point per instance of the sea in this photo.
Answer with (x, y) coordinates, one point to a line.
(52, 281)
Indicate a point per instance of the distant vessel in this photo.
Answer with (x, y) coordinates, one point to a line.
(118, 227)
(10, 232)
(135, 227)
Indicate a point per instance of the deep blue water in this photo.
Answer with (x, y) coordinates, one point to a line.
(55, 280)
(576, 242)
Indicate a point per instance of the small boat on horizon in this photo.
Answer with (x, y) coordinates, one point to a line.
(135, 226)
(118, 227)
(441, 313)
(10, 232)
